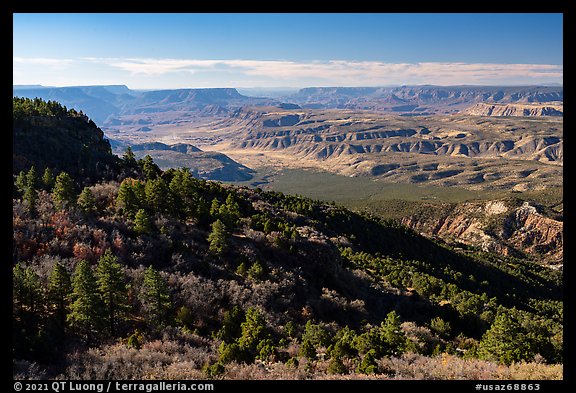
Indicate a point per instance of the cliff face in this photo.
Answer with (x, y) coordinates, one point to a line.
(485, 109)
(419, 99)
(497, 226)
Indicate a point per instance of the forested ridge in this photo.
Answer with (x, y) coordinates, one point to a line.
(121, 270)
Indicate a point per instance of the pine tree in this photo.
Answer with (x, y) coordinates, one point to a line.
(142, 222)
(229, 212)
(131, 196)
(112, 288)
(129, 158)
(231, 326)
(149, 168)
(176, 194)
(32, 178)
(21, 182)
(156, 194)
(86, 201)
(48, 179)
(30, 193)
(126, 199)
(391, 334)
(505, 341)
(307, 350)
(182, 195)
(59, 289)
(218, 238)
(86, 310)
(253, 330)
(26, 290)
(63, 192)
(155, 298)
(257, 271)
(215, 208)
(441, 327)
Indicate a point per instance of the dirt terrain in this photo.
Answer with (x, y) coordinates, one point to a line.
(477, 152)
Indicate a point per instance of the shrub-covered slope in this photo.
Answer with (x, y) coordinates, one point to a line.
(162, 275)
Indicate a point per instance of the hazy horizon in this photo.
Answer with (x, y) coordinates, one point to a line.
(296, 88)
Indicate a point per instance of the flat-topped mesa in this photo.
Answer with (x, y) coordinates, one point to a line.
(422, 99)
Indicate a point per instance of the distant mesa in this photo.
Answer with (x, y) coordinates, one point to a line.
(110, 105)
(106, 104)
(417, 99)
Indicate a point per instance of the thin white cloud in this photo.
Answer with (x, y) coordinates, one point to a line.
(42, 61)
(333, 72)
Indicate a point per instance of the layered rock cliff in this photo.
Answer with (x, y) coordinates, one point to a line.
(485, 109)
(507, 227)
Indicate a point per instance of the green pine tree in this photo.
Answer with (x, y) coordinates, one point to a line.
(113, 289)
(86, 201)
(48, 179)
(63, 192)
(59, 290)
(307, 350)
(87, 310)
(129, 158)
(231, 326)
(20, 182)
(506, 341)
(149, 168)
(26, 290)
(218, 238)
(185, 318)
(253, 330)
(391, 334)
(30, 190)
(142, 222)
(156, 194)
(155, 298)
(127, 199)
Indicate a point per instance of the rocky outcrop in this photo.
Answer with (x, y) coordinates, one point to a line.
(484, 109)
(500, 226)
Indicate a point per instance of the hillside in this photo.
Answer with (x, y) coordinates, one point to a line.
(203, 165)
(157, 274)
(46, 134)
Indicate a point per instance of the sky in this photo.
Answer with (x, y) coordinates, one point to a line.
(169, 51)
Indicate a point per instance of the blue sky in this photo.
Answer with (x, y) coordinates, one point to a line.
(286, 50)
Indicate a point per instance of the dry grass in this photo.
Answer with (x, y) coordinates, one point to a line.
(171, 359)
